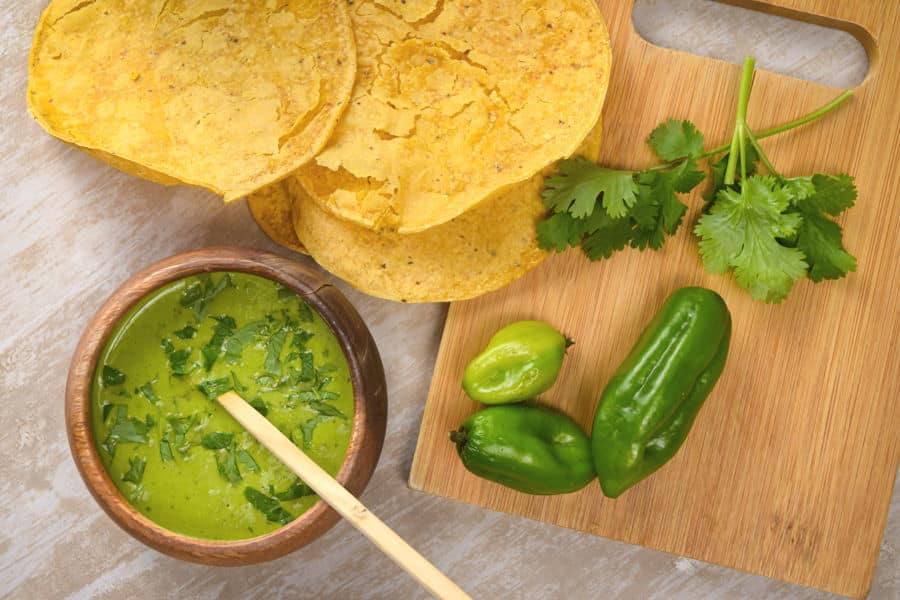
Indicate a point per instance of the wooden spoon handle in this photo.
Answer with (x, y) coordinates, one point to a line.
(341, 500)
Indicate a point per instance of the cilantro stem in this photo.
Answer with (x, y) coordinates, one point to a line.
(733, 150)
(816, 114)
(743, 160)
(738, 139)
(808, 118)
(761, 154)
(821, 112)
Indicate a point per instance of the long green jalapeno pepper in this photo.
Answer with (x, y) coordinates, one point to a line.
(649, 405)
(521, 361)
(528, 448)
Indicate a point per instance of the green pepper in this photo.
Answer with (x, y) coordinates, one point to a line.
(528, 448)
(649, 405)
(521, 361)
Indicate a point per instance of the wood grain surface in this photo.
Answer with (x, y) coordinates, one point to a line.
(73, 229)
(790, 466)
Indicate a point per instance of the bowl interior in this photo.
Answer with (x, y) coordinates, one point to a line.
(366, 373)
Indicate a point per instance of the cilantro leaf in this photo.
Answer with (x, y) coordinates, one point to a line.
(560, 231)
(578, 184)
(128, 429)
(112, 376)
(833, 193)
(267, 506)
(247, 461)
(799, 188)
(686, 176)
(239, 387)
(147, 392)
(608, 236)
(650, 212)
(198, 295)
(671, 212)
(192, 294)
(180, 428)
(226, 463)
(165, 449)
(234, 345)
(619, 193)
(820, 240)
(233, 350)
(181, 425)
(267, 383)
(658, 211)
(298, 489)
(324, 409)
(109, 446)
(676, 139)
(272, 364)
(186, 333)
(284, 292)
(741, 231)
(213, 388)
(308, 371)
(301, 336)
(225, 326)
(645, 212)
(648, 231)
(217, 440)
(308, 428)
(178, 361)
(305, 311)
(260, 405)
(135, 473)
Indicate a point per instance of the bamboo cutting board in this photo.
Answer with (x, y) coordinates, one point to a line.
(789, 468)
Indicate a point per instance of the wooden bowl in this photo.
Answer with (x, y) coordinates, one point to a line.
(366, 372)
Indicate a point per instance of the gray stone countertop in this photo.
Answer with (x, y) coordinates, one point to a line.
(72, 229)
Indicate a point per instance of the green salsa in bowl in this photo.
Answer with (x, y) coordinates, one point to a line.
(165, 460)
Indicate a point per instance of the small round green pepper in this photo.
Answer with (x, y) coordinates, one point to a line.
(521, 361)
(527, 448)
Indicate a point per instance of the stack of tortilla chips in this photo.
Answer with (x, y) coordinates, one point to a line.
(401, 143)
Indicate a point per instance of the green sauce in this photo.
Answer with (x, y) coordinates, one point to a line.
(172, 450)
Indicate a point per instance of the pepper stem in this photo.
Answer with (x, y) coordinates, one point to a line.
(459, 437)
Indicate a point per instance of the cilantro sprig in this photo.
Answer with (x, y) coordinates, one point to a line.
(769, 230)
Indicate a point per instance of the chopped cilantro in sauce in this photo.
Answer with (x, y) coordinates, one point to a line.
(175, 454)
(112, 376)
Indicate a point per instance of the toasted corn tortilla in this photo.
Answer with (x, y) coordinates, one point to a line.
(479, 251)
(271, 209)
(456, 100)
(229, 95)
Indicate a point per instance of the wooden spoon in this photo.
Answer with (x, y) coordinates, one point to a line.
(345, 503)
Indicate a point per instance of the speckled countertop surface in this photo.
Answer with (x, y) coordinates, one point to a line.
(72, 229)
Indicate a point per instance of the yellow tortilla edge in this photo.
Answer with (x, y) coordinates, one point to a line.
(534, 256)
(603, 84)
(154, 173)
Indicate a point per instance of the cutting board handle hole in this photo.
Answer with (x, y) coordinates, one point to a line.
(753, 28)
